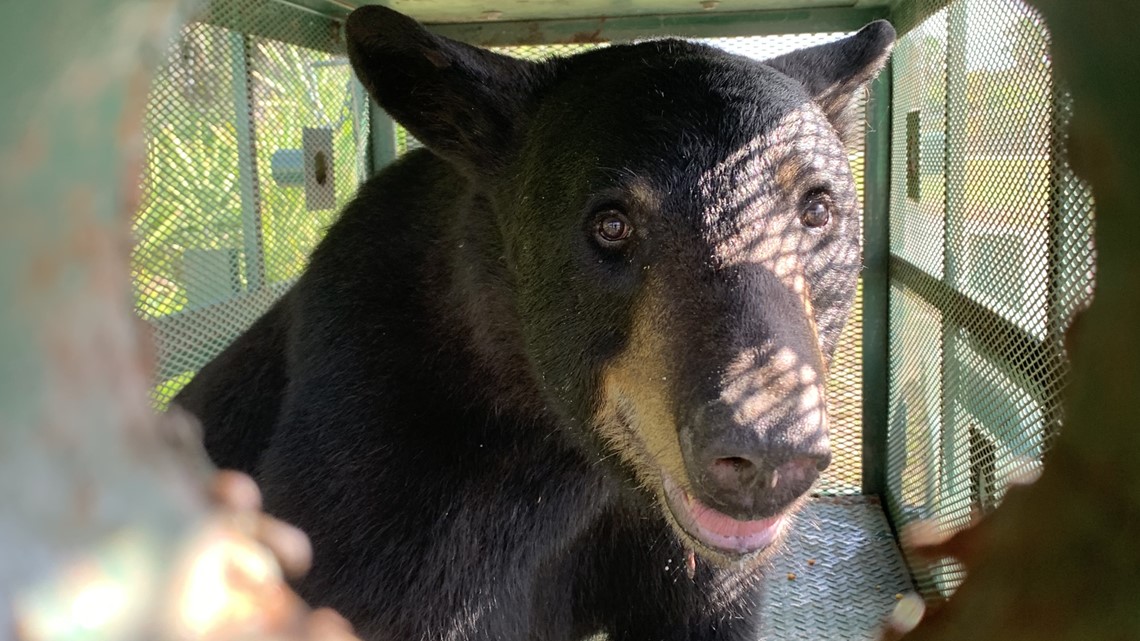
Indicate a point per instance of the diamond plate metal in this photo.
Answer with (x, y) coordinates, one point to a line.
(847, 572)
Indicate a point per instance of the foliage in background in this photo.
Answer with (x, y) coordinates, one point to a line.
(191, 251)
(192, 183)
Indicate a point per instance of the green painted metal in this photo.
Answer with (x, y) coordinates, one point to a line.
(282, 21)
(383, 140)
(1029, 564)
(975, 397)
(876, 283)
(362, 126)
(1014, 348)
(954, 474)
(212, 326)
(247, 164)
(955, 145)
(1072, 222)
(288, 167)
(702, 25)
(465, 11)
(326, 8)
(84, 474)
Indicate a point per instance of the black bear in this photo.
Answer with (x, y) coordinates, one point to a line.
(562, 372)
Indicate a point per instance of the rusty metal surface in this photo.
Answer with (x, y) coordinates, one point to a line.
(107, 529)
(78, 460)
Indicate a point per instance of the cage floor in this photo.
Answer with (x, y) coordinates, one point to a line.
(847, 572)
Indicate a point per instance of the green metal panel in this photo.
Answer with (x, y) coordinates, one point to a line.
(363, 124)
(1004, 341)
(991, 256)
(247, 164)
(954, 503)
(702, 25)
(278, 20)
(383, 140)
(876, 283)
(222, 106)
(954, 150)
(552, 22)
(465, 11)
(84, 476)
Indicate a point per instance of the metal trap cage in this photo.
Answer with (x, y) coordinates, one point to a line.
(977, 239)
(990, 256)
(977, 244)
(255, 140)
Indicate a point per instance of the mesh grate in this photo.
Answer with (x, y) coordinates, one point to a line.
(919, 98)
(845, 385)
(227, 221)
(217, 246)
(838, 575)
(991, 253)
(991, 232)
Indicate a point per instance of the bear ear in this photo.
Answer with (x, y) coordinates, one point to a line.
(462, 102)
(834, 73)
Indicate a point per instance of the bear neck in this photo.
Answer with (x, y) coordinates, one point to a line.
(480, 311)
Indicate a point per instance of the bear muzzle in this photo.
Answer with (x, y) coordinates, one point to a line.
(746, 474)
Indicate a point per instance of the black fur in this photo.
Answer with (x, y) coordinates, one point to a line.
(421, 403)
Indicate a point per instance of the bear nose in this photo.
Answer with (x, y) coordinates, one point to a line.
(741, 475)
(758, 470)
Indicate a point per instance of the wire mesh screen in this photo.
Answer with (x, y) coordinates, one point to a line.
(845, 386)
(232, 204)
(254, 142)
(991, 254)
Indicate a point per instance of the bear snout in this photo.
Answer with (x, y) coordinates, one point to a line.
(757, 468)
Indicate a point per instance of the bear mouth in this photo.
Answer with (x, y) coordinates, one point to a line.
(717, 532)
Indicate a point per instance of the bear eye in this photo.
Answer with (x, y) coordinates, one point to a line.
(816, 212)
(612, 228)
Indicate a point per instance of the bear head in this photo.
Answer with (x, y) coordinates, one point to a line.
(678, 233)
